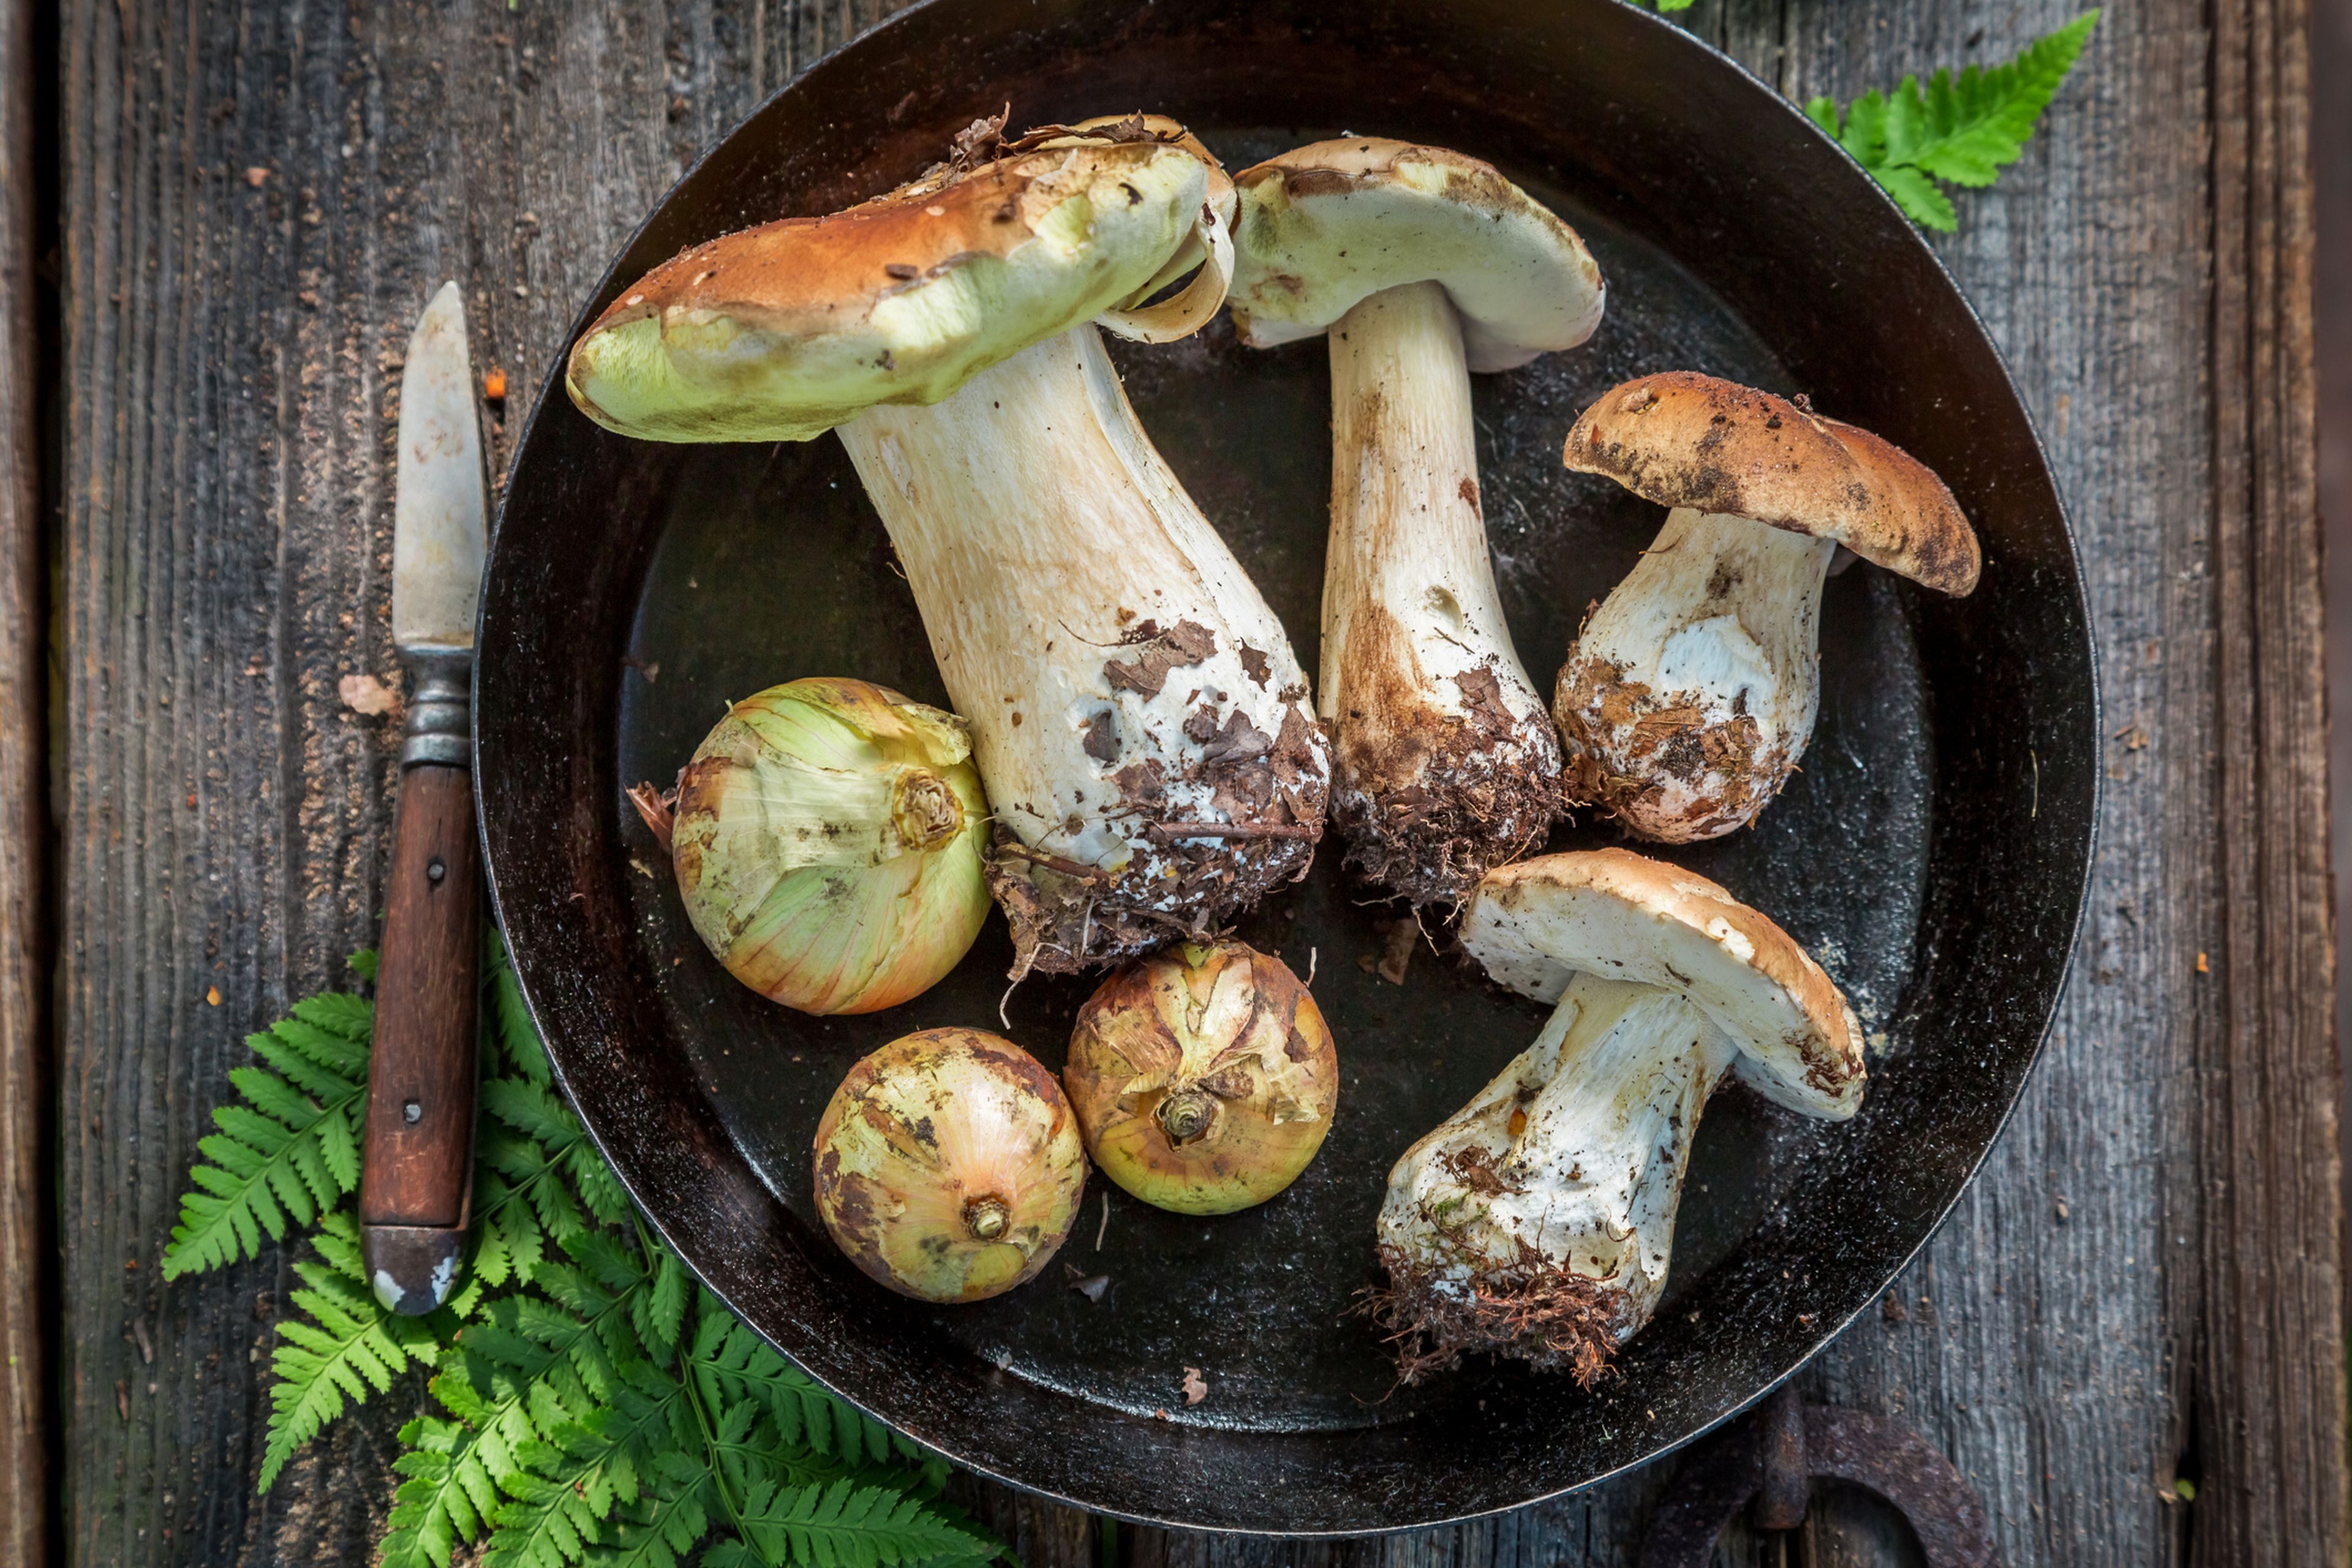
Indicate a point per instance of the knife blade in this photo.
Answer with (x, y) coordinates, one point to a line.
(416, 1165)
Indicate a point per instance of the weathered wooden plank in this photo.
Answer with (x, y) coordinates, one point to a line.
(1038, 1532)
(26, 1242)
(2268, 1384)
(221, 819)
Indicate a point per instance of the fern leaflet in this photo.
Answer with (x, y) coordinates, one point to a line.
(351, 1348)
(1961, 129)
(291, 1150)
(844, 1525)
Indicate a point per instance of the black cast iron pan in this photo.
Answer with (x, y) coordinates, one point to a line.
(1933, 853)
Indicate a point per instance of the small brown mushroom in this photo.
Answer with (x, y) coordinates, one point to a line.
(1691, 693)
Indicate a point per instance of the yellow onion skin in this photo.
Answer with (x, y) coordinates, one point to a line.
(949, 1166)
(1203, 1077)
(830, 842)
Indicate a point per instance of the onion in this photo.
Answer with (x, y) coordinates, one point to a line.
(947, 1165)
(829, 843)
(1204, 1078)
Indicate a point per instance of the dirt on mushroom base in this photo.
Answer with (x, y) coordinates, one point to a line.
(1431, 794)
(1535, 1310)
(1432, 845)
(1621, 742)
(1187, 877)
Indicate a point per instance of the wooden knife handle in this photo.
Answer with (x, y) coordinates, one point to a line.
(416, 1184)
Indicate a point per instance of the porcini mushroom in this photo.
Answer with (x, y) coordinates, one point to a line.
(1140, 719)
(1421, 266)
(1691, 692)
(1539, 1220)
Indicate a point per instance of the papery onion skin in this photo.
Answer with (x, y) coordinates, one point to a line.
(1203, 1077)
(830, 845)
(949, 1166)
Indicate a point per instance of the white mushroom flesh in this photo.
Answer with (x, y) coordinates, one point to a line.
(1123, 678)
(1444, 760)
(1692, 691)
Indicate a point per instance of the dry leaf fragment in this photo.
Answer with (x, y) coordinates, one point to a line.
(366, 694)
(1399, 937)
(1196, 1388)
(256, 175)
(657, 809)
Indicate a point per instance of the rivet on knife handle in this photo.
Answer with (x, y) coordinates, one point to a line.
(416, 1187)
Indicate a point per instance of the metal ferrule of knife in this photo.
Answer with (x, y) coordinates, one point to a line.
(440, 710)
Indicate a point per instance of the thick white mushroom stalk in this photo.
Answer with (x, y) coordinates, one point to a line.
(1538, 1221)
(1137, 711)
(1444, 757)
(1691, 692)
(1420, 265)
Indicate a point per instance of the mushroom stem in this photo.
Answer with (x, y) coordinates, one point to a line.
(1691, 693)
(1119, 671)
(1443, 760)
(1538, 1221)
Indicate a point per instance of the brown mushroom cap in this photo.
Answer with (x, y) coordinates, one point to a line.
(806, 276)
(1683, 439)
(783, 331)
(1537, 924)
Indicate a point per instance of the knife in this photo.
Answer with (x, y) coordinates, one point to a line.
(416, 1168)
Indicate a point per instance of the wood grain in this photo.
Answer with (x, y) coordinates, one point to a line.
(2141, 1283)
(2270, 1354)
(420, 1122)
(27, 1244)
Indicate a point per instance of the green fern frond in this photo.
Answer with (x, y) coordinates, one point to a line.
(522, 1189)
(600, 1190)
(730, 1362)
(1961, 129)
(533, 1110)
(455, 1469)
(517, 1036)
(446, 1496)
(291, 1150)
(846, 1525)
(666, 1531)
(564, 1500)
(351, 1349)
(659, 1312)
